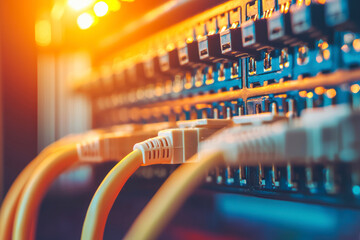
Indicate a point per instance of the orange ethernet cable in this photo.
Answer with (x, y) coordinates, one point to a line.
(36, 187)
(10, 202)
(92, 148)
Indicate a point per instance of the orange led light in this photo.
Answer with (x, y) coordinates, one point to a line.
(331, 93)
(326, 54)
(212, 32)
(355, 88)
(302, 94)
(356, 45)
(234, 25)
(320, 90)
(170, 47)
(282, 8)
(189, 40)
(287, 7)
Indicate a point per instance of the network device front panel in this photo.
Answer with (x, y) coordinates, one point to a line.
(244, 58)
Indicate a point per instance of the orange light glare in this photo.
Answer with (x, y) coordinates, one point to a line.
(43, 33)
(170, 47)
(114, 5)
(355, 88)
(319, 90)
(223, 28)
(331, 93)
(326, 54)
(356, 45)
(302, 93)
(189, 39)
(57, 11)
(101, 9)
(79, 4)
(310, 95)
(85, 21)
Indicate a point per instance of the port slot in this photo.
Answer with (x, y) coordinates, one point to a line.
(199, 77)
(267, 62)
(188, 80)
(269, 82)
(303, 55)
(249, 38)
(183, 58)
(209, 76)
(221, 72)
(255, 85)
(284, 58)
(252, 66)
(164, 66)
(204, 52)
(234, 70)
(276, 30)
(225, 46)
(299, 24)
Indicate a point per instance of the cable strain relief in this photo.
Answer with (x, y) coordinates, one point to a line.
(157, 150)
(89, 150)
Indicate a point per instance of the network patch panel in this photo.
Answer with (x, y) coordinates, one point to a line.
(244, 58)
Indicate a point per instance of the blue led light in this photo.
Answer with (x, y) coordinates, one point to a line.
(356, 190)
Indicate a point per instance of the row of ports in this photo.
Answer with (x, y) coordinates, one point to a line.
(108, 113)
(312, 179)
(290, 61)
(224, 39)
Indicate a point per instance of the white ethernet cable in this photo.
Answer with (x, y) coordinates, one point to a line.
(279, 142)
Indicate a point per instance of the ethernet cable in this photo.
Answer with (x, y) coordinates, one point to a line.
(106, 194)
(93, 148)
(173, 146)
(280, 143)
(35, 189)
(10, 202)
(171, 196)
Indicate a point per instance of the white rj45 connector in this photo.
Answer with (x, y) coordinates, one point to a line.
(175, 146)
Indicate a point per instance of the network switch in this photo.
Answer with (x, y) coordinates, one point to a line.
(245, 58)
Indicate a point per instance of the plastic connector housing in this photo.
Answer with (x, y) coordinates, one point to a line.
(118, 142)
(319, 135)
(173, 146)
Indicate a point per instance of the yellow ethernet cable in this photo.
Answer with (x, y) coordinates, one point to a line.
(35, 189)
(172, 194)
(33, 184)
(106, 194)
(10, 202)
